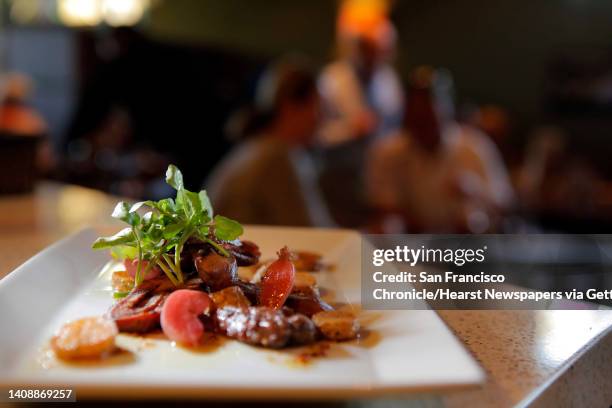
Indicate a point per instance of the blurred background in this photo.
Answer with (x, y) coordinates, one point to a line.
(385, 116)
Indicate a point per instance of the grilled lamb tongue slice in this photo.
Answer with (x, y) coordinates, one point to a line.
(247, 253)
(139, 311)
(307, 301)
(217, 271)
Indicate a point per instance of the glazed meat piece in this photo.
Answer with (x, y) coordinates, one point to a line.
(307, 261)
(303, 300)
(303, 330)
(139, 311)
(231, 296)
(247, 253)
(259, 326)
(307, 301)
(250, 290)
(217, 271)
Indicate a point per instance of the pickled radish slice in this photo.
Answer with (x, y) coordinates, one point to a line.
(277, 282)
(180, 316)
(131, 266)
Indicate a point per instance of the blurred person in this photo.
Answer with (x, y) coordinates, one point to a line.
(269, 178)
(475, 152)
(25, 151)
(542, 169)
(439, 175)
(109, 158)
(493, 120)
(563, 190)
(362, 93)
(19, 119)
(16, 116)
(496, 122)
(362, 99)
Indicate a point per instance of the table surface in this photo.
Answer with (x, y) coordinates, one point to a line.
(541, 357)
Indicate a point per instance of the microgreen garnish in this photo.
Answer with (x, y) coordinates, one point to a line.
(159, 235)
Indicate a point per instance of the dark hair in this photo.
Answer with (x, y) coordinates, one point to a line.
(289, 79)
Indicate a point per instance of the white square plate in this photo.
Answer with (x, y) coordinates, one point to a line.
(407, 351)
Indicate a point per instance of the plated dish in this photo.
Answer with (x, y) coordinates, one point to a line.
(177, 269)
(396, 350)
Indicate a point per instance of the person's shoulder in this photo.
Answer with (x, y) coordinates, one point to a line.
(245, 164)
(335, 67)
(472, 138)
(335, 72)
(393, 144)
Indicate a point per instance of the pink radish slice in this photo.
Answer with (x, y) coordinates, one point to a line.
(131, 266)
(179, 316)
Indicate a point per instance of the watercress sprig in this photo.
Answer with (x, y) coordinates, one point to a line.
(158, 230)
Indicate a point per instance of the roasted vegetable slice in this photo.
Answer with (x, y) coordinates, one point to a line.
(337, 325)
(87, 338)
(307, 261)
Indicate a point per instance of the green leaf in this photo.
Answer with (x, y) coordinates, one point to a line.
(121, 252)
(120, 295)
(204, 230)
(194, 203)
(125, 236)
(148, 218)
(189, 202)
(166, 206)
(137, 206)
(227, 229)
(160, 233)
(205, 203)
(122, 212)
(174, 177)
(170, 231)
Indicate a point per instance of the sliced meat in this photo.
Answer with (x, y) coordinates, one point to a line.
(247, 253)
(217, 271)
(303, 300)
(259, 326)
(303, 330)
(250, 290)
(231, 296)
(307, 301)
(139, 312)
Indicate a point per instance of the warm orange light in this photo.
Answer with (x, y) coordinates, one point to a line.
(362, 17)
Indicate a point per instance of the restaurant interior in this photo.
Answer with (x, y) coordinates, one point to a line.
(382, 116)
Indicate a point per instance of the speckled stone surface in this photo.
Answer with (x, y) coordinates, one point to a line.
(587, 382)
(522, 351)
